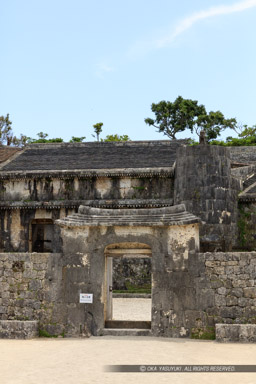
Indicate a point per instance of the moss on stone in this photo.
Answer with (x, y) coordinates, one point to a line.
(205, 333)
(43, 333)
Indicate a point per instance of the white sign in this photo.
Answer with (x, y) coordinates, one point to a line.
(86, 298)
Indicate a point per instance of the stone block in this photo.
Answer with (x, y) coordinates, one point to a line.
(14, 329)
(238, 292)
(243, 302)
(239, 283)
(222, 291)
(205, 299)
(231, 300)
(236, 332)
(34, 285)
(2, 310)
(231, 312)
(220, 300)
(250, 292)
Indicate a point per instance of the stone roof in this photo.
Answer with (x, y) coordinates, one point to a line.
(88, 216)
(113, 204)
(95, 156)
(249, 188)
(250, 180)
(245, 154)
(7, 152)
(249, 193)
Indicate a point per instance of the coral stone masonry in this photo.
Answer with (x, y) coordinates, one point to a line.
(80, 220)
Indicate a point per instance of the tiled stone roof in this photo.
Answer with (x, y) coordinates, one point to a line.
(95, 156)
(7, 152)
(250, 180)
(244, 154)
(113, 204)
(249, 193)
(88, 216)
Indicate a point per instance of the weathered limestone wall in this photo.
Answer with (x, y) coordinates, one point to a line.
(247, 226)
(16, 230)
(228, 282)
(243, 172)
(174, 262)
(18, 329)
(188, 297)
(243, 333)
(246, 155)
(132, 273)
(203, 182)
(68, 192)
(31, 289)
(87, 188)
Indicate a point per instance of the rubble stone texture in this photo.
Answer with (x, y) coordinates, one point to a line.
(15, 329)
(65, 208)
(243, 333)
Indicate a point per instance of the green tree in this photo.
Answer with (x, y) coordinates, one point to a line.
(116, 137)
(248, 132)
(77, 139)
(6, 134)
(98, 129)
(213, 123)
(172, 118)
(42, 138)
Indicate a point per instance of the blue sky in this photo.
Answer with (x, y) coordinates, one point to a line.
(67, 65)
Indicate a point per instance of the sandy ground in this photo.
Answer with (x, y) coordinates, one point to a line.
(131, 309)
(80, 361)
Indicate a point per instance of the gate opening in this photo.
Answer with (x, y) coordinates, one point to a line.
(128, 286)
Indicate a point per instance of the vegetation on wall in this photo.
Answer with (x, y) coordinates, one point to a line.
(170, 119)
(246, 227)
(8, 138)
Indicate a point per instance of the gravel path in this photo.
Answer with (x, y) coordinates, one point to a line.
(82, 361)
(131, 309)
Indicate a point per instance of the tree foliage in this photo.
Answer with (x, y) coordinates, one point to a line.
(7, 137)
(75, 139)
(6, 134)
(98, 129)
(116, 137)
(247, 137)
(172, 118)
(42, 138)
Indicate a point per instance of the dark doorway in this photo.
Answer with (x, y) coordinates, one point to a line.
(42, 235)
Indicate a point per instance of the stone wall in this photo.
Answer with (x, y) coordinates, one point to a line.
(246, 155)
(243, 172)
(228, 283)
(203, 182)
(174, 264)
(247, 226)
(190, 294)
(132, 273)
(85, 188)
(16, 227)
(25, 199)
(30, 289)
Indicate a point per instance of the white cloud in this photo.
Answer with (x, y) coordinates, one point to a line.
(189, 21)
(140, 48)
